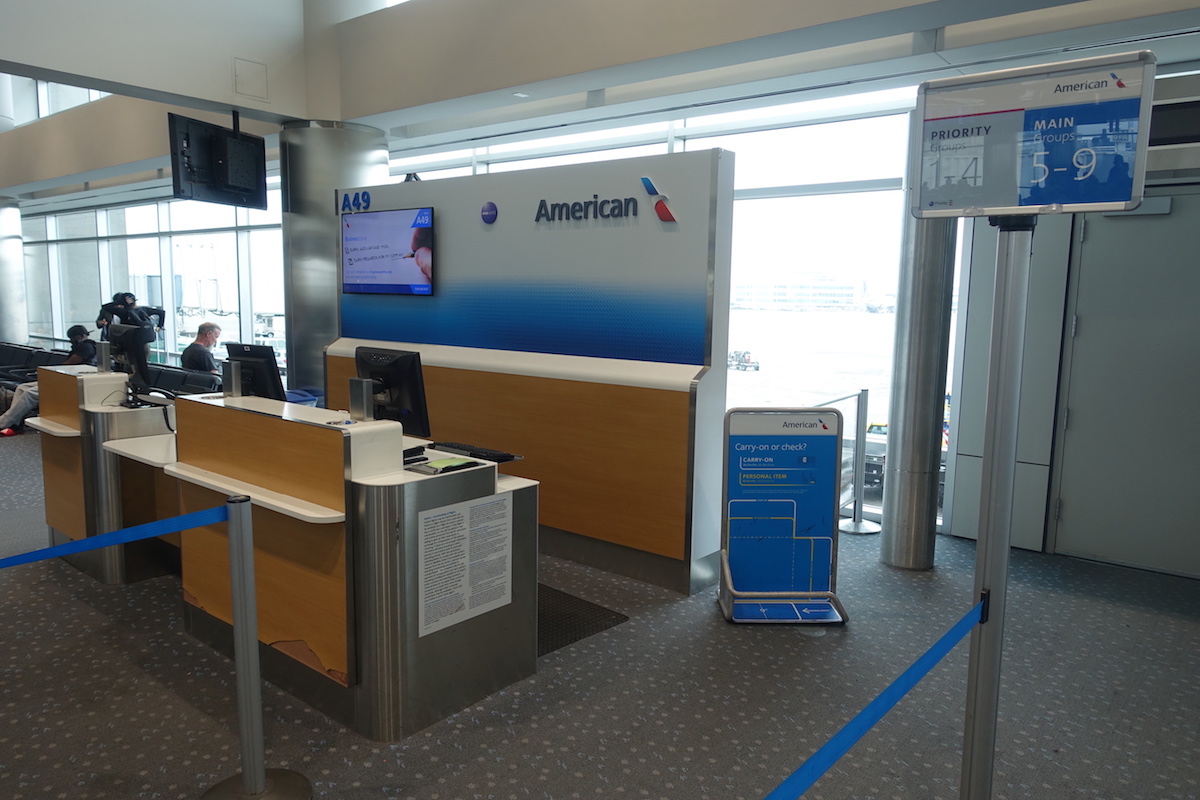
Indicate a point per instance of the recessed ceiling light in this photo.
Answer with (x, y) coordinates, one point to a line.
(520, 94)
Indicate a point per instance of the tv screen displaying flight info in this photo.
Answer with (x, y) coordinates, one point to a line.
(388, 252)
(1064, 137)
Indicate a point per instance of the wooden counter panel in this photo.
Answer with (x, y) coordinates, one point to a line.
(338, 372)
(292, 458)
(58, 397)
(62, 481)
(612, 460)
(148, 495)
(300, 581)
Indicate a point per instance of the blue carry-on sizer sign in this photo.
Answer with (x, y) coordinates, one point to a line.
(780, 524)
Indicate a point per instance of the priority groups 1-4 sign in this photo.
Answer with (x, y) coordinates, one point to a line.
(779, 537)
(1050, 139)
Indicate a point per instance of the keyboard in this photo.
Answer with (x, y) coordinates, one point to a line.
(474, 451)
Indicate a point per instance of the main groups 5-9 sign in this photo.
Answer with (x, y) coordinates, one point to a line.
(1059, 138)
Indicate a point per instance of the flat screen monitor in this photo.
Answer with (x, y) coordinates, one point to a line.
(217, 165)
(399, 387)
(129, 351)
(388, 252)
(260, 372)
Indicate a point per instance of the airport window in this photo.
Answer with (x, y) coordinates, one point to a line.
(828, 328)
(60, 97)
(205, 268)
(25, 99)
(78, 273)
(266, 291)
(37, 293)
(33, 229)
(835, 152)
(197, 216)
(199, 261)
(133, 220)
(579, 158)
(33, 99)
(76, 226)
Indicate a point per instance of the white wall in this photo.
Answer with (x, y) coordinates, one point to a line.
(164, 50)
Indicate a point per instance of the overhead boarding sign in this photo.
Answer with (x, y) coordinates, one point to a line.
(1055, 138)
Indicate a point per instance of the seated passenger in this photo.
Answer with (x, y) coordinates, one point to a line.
(125, 310)
(198, 356)
(23, 401)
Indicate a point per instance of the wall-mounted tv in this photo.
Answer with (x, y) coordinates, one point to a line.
(217, 165)
(388, 252)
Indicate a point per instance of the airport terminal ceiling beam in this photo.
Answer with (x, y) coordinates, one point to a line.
(604, 54)
(820, 69)
(250, 112)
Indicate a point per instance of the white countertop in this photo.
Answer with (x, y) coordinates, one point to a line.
(157, 451)
(52, 428)
(615, 371)
(265, 498)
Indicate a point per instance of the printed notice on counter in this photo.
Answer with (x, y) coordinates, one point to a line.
(464, 555)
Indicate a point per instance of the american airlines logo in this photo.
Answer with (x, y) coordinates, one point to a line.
(1090, 85)
(659, 200)
(604, 208)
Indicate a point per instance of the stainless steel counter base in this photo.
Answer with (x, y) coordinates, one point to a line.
(408, 681)
(130, 563)
(403, 682)
(102, 496)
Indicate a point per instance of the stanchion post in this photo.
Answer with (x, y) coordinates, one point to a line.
(858, 524)
(245, 643)
(256, 780)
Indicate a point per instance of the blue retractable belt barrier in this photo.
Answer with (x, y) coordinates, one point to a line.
(819, 763)
(123, 536)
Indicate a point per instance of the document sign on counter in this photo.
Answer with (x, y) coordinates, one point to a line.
(782, 484)
(464, 560)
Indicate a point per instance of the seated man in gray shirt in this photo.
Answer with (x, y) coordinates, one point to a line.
(198, 356)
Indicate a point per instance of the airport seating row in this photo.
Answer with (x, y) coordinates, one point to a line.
(19, 363)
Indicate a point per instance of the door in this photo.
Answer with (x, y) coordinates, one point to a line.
(1128, 428)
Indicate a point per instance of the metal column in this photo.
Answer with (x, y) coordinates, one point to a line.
(14, 313)
(1006, 351)
(316, 158)
(910, 484)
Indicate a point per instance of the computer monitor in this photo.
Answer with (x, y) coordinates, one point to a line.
(260, 372)
(399, 388)
(129, 351)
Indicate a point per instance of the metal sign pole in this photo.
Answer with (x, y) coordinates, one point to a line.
(1013, 257)
(255, 780)
(1044, 139)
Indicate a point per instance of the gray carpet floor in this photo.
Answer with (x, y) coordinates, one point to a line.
(104, 695)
